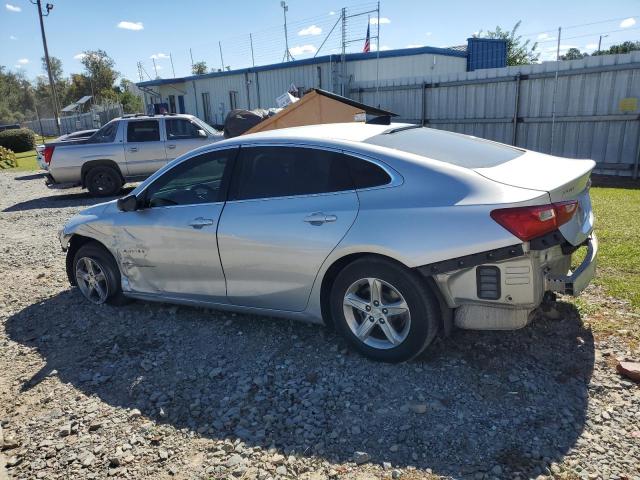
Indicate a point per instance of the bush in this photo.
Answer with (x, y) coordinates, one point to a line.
(7, 158)
(18, 140)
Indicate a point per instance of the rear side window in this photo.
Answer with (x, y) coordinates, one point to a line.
(143, 131)
(180, 129)
(265, 172)
(366, 174)
(106, 134)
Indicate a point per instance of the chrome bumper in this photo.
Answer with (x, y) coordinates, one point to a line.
(578, 280)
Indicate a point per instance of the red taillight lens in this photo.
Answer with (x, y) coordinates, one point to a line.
(531, 222)
(47, 153)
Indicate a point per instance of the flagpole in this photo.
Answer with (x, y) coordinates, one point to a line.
(378, 57)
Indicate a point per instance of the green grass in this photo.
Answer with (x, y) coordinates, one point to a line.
(27, 161)
(617, 212)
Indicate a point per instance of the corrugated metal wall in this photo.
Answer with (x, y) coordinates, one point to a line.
(596, 113)
(265, 85)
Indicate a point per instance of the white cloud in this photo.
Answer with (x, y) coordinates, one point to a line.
(374, 20)
(382, 48)
(332, 12)
(302, 50)
(12, 37)
(159, 56)
(159, 67)
(18, 66)
(23, 61)
(591, 46)
(544, 36)
(130, 25)
(310, 30)
(413, 45)
(429, 34)
(79, 56)
(12, 8)
(628, 22)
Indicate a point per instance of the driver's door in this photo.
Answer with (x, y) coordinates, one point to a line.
(168, 246)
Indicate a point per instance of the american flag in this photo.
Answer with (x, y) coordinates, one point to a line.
(367, 42)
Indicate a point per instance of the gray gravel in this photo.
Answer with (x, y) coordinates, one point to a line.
(159, 391)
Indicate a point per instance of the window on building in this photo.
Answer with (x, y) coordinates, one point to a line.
(172, 104)
(233, 100)
(181, 104)
(143, 131)
(206, 107)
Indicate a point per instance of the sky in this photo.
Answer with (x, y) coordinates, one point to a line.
(135, 31)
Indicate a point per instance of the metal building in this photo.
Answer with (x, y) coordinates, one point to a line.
(211, 96)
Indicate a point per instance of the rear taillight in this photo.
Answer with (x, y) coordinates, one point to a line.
(47, 153)
(527, 223)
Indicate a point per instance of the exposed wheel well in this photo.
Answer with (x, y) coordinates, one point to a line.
(341, 263)
(98, 163)
(74, 245)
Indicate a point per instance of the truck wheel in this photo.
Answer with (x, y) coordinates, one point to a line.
(384, 310)
(103, 181)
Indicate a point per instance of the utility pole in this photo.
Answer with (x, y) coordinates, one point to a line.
(173, 71)
(287, 53)
(155, 68)
(54, 98)
(600, 41)
(221, 59)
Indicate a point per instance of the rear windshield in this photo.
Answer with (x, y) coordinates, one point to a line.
(454, 148)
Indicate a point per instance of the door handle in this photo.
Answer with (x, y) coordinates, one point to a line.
(172, 146)
(200, 222)
(133, 149)
(319, 218)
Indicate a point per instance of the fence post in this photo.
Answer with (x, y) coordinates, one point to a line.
(516, 107)
(424, 103)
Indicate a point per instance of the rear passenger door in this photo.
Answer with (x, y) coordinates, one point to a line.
(183, 135)
(144, 147)
(287, 209)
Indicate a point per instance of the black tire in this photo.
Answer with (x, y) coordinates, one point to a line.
(423, 308)
(103, 181)
(103, 258)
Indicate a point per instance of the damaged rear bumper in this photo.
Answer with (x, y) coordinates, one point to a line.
(575, 282)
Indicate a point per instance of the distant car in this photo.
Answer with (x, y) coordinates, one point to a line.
(126, 149)
(80, 134)
(386, 232)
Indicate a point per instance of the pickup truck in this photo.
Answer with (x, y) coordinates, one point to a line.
(127, 149)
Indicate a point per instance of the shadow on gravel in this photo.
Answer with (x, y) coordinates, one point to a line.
(83, 199)
(475, 402)
(34, 176)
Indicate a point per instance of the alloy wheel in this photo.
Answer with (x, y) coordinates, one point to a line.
(377, 313)
(91, 280)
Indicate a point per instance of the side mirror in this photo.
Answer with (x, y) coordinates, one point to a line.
(128, 203)
(202, 133)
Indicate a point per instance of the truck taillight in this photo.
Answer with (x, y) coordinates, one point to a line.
(527, 223)
(47, 153)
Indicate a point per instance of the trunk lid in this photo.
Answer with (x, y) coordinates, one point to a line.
(562, 178)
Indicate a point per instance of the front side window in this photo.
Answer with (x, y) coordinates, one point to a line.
(106, 134)
(194, 181)
(178, 128)
(265, 172)
(143, 131)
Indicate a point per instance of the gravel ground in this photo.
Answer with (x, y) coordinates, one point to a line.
(158, 391)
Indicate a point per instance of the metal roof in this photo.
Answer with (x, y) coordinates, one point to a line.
(350, 57)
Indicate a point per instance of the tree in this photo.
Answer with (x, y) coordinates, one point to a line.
(56, 68)
(17, 102)
(519, 51)
(199, 68)
(624, 47)
(99, 68)
(573, 54)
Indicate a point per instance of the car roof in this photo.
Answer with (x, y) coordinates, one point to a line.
(142, 116)
(353, 131)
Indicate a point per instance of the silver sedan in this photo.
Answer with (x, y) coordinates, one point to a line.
(392, 234)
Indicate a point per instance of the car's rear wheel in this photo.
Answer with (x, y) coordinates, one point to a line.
(97, 275)
(384, 310)
(103, 181)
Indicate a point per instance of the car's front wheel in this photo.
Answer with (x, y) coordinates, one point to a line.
(383, 309)
(97, 275)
